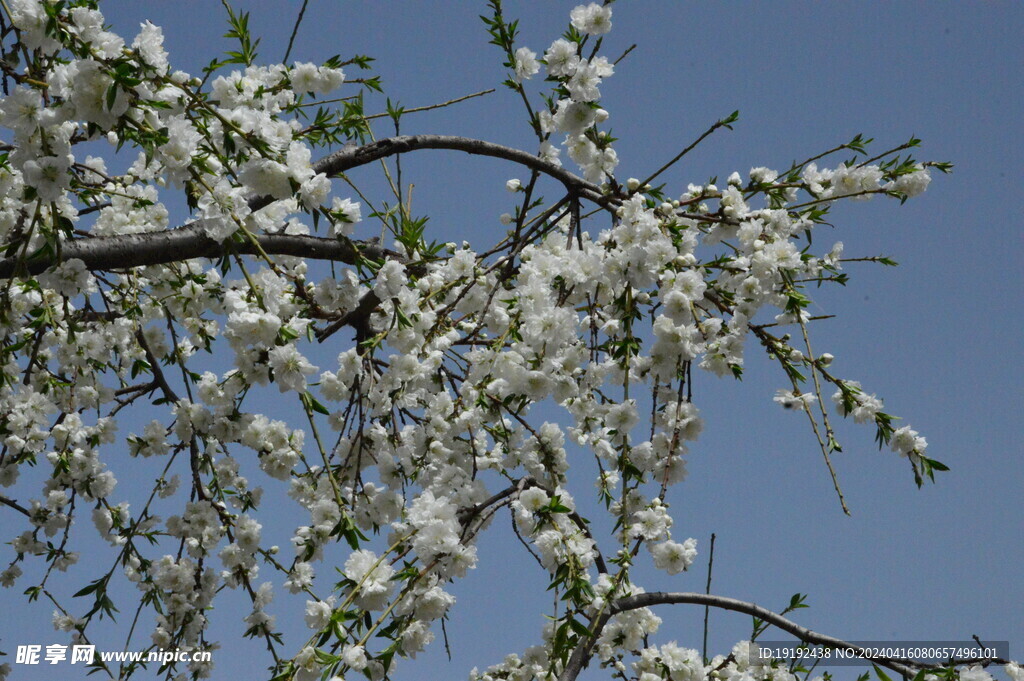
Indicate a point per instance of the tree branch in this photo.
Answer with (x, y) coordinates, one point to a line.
(358, 318)
(125, 251)
(15, 505)
(581, 654)
(159, 379)
(803, 633)
(345, 159)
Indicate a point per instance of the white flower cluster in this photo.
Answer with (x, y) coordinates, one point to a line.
(185, 593)
(477, 379)
(436, 534)
(372, 578)
(577, 114)
(670, 661)
(558, 536)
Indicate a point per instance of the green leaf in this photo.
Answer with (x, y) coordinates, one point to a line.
(111, 96)
(580, 628)
(89, 589)
(316, 406)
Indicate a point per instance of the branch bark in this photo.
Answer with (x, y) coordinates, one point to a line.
(348, 158)
(126, 251)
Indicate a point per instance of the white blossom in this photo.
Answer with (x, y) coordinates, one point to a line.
(592, 19)
(526, 64)
(673, 557)
(290, 368)
(561, 58)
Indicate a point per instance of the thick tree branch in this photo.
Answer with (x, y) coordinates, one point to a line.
(581, 655)
(185, 243)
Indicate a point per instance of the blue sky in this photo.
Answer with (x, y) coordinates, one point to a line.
(938, 337)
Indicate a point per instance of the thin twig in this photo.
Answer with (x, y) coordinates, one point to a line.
(684, 152)
(624, 54)
(295, 30)
(15, 505)
(707, 590)
(431, 107)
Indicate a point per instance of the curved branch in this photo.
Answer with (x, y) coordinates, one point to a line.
(803, 633)
(581, 654)
(352, 157)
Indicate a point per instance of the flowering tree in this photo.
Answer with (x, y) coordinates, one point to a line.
(504, 376)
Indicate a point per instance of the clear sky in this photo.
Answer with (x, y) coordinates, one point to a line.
(938, 337)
